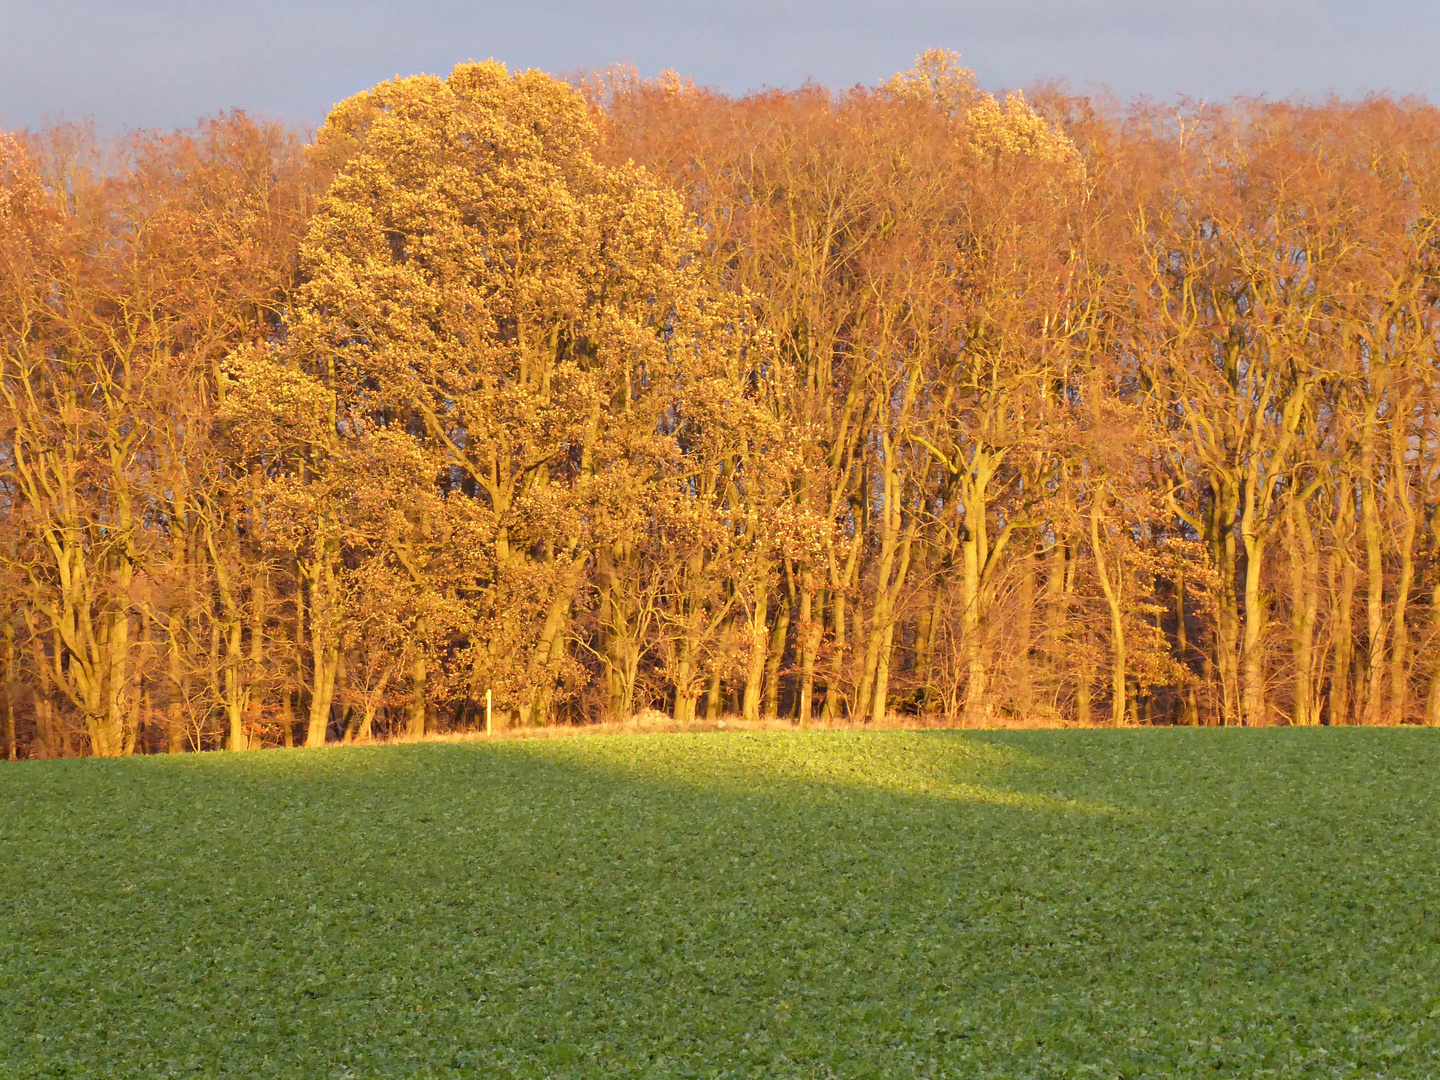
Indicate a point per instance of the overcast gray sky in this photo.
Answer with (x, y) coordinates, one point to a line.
(164, 63)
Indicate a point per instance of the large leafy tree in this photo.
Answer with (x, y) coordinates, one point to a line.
(480, 283)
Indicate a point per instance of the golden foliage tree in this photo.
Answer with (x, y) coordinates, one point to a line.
(587, 400)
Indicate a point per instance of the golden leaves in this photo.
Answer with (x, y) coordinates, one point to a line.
(271, 407)
(1015, 130)
(997, 133)
(479, 285)
(17, 178)
(937, 81)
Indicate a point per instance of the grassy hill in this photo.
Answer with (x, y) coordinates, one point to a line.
(770, 904)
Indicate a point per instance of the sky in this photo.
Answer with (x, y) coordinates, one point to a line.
(165, 63)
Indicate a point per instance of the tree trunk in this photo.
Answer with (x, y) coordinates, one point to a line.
(179, 688)
(977, 690)
(1084, 676)
(1432, 700)
(1227, 629)
(778, 639)
(1024, 630)
(714, 706)
(287, 716)
(1400, 631)
(1304, 606)
(1117, 624)
(415, 707)
(234, 693)
(1374, 598)
(324, 655)
(1190, 711)
(831, 710)
(758, 636)
(684, 682)
(1058, 657)
(11, 750)
(322, 691)
(1340, 685)
(810, 637)
(1253, 707)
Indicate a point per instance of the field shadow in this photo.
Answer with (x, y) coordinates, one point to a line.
(945, 766)
(942, 767)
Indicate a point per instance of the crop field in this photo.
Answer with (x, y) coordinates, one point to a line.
(780, 904)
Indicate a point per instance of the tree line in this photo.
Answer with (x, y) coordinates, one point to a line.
(620, 394)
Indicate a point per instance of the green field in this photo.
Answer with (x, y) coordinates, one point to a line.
(807, 904)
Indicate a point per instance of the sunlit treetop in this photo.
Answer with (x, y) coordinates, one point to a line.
(996, 131)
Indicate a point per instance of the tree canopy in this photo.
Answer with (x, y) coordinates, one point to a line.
(590, 398)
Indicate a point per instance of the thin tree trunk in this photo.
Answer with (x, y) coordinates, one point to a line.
(977, 689)
(234, 693)
(1254, 710)
(287, 716)
(841, 582)
(1057, 597)
(811, 630)
(259, 612)
(685, 694)
(926, 624)
(714, 706)
(1117, 624)
(11, 750)
(758, 635)
(1374, 592)
(778, 637)
(179, 686)
(885, 617)
(1304, 606)
(882, 674)
(1190, 712)
(1227, 630)
(1085, 676)
(324, 656)
(1432, 700)
(1400, 631)
(831, 710)
(1024, 629)
(1340, 683)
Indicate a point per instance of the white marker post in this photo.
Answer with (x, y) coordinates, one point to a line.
(487, 712)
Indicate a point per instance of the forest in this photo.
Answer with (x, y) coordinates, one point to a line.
(596, 397)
